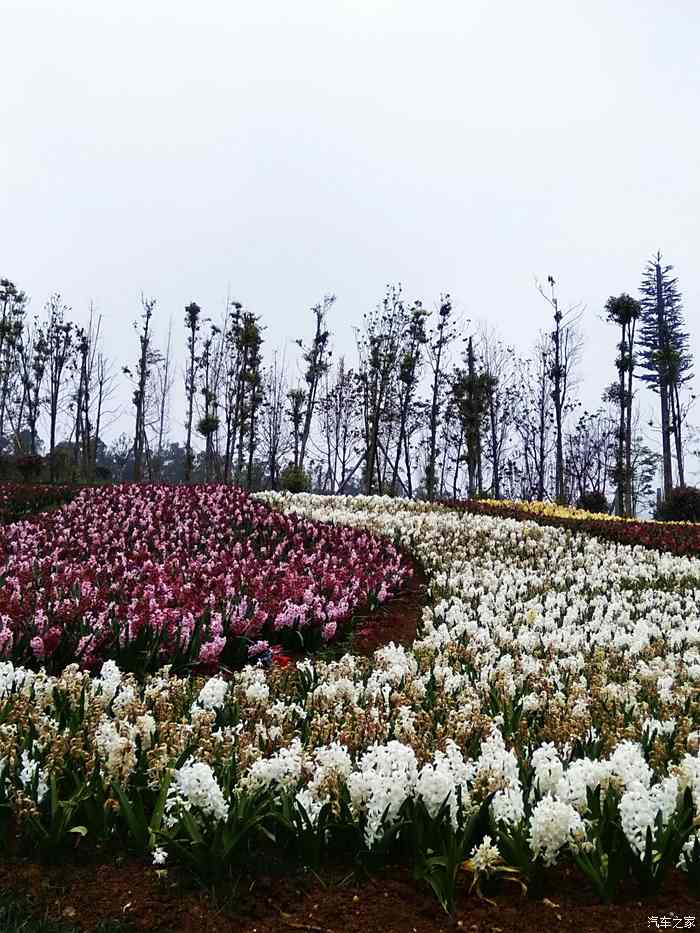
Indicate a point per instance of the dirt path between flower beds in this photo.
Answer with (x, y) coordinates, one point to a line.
(397, 620)
(134, 895)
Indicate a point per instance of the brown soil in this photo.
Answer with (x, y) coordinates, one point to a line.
(133, 894)
(396, 620)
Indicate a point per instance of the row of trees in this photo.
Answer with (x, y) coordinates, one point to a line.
(52, 370)
(653, 346)
(431, 407)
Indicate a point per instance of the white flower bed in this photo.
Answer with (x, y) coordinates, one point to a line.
(561, 640)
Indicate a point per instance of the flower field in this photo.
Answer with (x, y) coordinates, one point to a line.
(547, 715)
(192, 576)
(674, 537)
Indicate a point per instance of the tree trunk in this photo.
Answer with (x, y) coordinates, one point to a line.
(663, 388)
(677, 433)
(621, 433)
(629, 508)
(495, 452)
(458, 456)
(434, 411)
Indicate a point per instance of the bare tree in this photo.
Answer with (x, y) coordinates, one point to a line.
(471, 389)
(316, 357)
(532, 422)
(339, 427)
(86, 349)
(497, 364)
(295, 415)
(440, 338)
(411, 348)
(33, 354)
(233, 371)
(192, 316)
(590, 456)
(253, 338)
(565, 347)
(105, 387)
(147, 358)
(272, 427)
(164, 380)
(208, 424)
(59, 340)
(378, 350)
(13, 306)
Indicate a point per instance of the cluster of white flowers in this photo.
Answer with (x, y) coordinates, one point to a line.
(160, 856)
(213, 693)
(31, 772)
(328, 768)
(385, 778)
(691, 850)
(115, 742)
(642, 807)
(497, 769)
(628, 765)
(485, 857)
(14, 678)
(145, 728)
(653, 727)
(194, 787)
(446, 780)
(109, 681)
(282, 770)
(582, 775)
(255, 686)
(553, 825)
(548, 769)
(688, 774)
(115, 747)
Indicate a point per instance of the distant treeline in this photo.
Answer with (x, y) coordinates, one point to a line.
(428, 407)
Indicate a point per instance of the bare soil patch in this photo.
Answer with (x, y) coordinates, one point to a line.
(396, 620)
(133, 894)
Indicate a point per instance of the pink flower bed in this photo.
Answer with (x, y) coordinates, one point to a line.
(192, 575)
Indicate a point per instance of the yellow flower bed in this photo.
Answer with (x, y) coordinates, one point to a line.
(554, 510)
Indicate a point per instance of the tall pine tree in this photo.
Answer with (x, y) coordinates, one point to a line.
(665, 357)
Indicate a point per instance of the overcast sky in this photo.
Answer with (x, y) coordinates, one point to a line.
(284, 150)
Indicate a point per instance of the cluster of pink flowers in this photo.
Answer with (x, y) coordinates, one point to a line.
(199, 575)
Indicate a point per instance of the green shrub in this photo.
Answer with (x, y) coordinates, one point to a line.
(593, 502)
(29, 467)
(681, 505)
(294, 479)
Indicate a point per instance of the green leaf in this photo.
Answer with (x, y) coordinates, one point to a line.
(135, 820)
